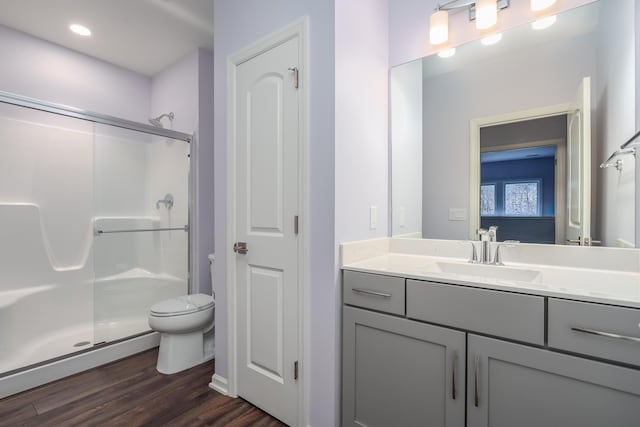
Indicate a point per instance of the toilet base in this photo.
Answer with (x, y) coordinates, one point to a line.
(179, 352)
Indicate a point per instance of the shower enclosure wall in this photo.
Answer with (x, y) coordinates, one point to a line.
(88, 238)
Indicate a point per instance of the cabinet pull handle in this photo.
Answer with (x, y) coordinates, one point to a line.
(606, 334)
(453, 375)
(476, 398)
(372, 293)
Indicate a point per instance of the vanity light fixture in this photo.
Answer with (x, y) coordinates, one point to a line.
(448, 53)
(439, 27)
(538, 5)
(543, 23)
(80, 30)
(492, 39)
(484, 12)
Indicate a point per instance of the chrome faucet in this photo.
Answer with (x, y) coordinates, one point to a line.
(493, 232)
(167, 201)
(485, 247)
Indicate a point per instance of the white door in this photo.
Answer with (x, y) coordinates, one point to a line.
(267, 138)
(578, 217)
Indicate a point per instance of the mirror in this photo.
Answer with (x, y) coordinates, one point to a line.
(536, 94)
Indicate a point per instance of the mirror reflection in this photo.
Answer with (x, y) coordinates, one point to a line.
(512, 134)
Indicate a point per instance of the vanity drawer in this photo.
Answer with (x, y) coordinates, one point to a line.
(598, 330)
(374, 291)
(504, 314)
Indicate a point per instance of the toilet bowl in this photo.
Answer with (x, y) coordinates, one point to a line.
(185, 325)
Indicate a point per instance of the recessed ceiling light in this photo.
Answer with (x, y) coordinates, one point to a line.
(81, 30)
(543, 23)
(448, 53)
(493, 39)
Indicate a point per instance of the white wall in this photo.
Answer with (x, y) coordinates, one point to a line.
(409, 25)
(616, 117)
(451, 100)
(239, 23)
(406, 148)
(46, 71)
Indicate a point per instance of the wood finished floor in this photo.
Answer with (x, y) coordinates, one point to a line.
(130, 392)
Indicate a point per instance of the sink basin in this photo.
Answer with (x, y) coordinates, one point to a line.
(490, 271)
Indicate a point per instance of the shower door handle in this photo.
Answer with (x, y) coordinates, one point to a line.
(240, 248)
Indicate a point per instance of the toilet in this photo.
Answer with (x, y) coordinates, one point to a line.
(186, 327)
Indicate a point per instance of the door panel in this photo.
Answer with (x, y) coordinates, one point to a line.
(516, 385)
(264, 152)
(397, 372)
(265, 311)
(267, 137)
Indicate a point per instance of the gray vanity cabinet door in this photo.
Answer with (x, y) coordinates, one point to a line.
(398, 372)
(514, 385)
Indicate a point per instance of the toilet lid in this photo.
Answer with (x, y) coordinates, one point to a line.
(182, 305)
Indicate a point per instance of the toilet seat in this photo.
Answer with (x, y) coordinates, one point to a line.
(182, 305)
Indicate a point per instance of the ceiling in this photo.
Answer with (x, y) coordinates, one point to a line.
(142, 35)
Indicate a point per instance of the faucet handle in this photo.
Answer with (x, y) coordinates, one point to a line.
(474, 253)
(497, 259)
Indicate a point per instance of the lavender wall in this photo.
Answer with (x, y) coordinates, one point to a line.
(238, 24)
(205, 157)
(362, 153)
(46, 71)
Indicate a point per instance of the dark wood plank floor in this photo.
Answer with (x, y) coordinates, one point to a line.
(130, 392)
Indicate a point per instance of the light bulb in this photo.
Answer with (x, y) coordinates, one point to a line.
(538, 5)
(486, 14)
(439, 27)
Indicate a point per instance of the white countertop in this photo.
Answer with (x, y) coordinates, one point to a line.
(601, 285)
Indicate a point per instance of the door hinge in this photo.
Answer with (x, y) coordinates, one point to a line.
(296, 76)
(295, 224)
(295, 370)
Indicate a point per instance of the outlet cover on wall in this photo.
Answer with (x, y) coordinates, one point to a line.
(373, 217)
(457, 214)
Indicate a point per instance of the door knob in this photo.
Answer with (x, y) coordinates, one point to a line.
(240, 248)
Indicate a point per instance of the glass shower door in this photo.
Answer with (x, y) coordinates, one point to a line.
(140, 222)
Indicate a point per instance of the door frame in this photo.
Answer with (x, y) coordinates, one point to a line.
(298, 29)
(559, 176)
(474, 151)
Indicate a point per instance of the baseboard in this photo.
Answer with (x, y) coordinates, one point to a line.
(53, 371)
(219, 384)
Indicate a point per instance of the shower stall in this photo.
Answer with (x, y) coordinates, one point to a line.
(94, 229)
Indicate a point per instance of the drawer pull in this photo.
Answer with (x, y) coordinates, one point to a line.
(454, 362)
(372, 293)
(606, 334)
(476, 397)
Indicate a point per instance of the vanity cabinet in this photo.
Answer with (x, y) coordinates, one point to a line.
(516, 385)
(397, 372)
(421, 353)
